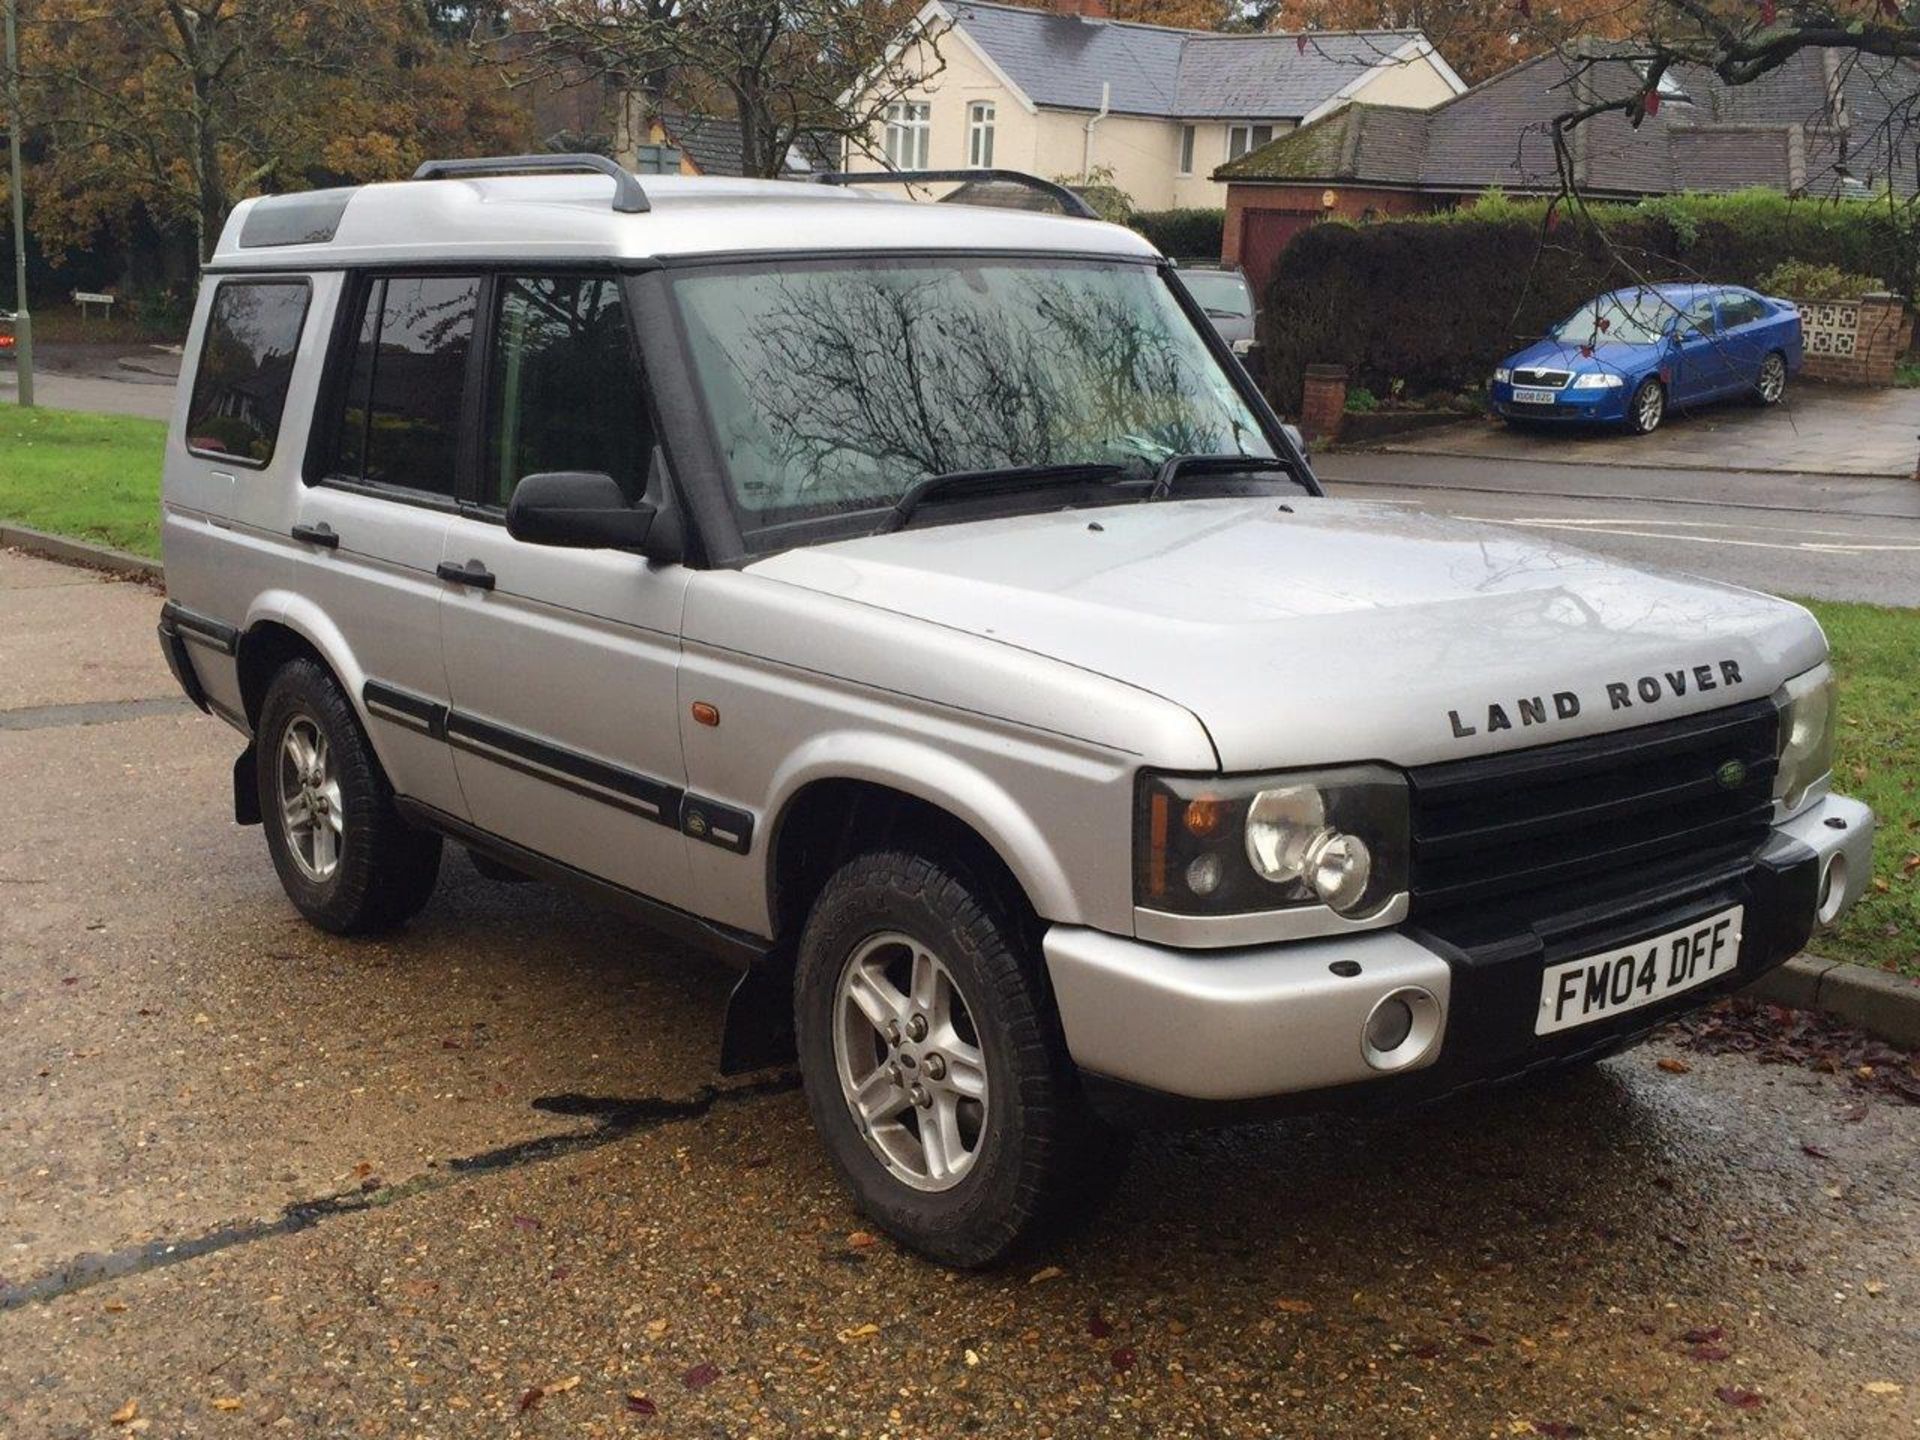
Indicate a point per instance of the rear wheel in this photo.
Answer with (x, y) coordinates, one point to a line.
(1647, 406)
(1770, 385)
(346, 859)
(935, 1071)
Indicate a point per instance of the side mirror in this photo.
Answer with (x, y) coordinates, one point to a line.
(1293, 434)
(579, 509)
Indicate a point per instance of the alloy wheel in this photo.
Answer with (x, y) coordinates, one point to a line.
(310, 802)
(910, 1062)
(1649, 408)
(1773, 379)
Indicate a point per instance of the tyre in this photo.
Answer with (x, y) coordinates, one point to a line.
(1770, 385)
(934, 1066)
(346, 859)
(1647, 406)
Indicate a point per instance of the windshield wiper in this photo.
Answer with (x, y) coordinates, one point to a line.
(1174, 466)
(1009, 477)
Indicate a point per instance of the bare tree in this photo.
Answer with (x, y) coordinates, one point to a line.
(785, 69)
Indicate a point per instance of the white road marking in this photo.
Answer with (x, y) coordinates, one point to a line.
(1618, 527)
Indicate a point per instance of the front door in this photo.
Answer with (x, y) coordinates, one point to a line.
(563, 664)
(371, 534)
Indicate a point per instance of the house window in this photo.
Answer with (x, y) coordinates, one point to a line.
(909, 125)
(1186, 149)
(1242, 138)
(980, 134)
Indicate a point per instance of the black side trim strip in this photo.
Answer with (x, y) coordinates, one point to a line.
(717, 824)
(416, 712)
(736, 947)
(180, 662)
(204, 628)
(627, 789)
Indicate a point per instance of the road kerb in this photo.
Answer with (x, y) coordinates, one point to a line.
(79, 552)
(1885, 1005)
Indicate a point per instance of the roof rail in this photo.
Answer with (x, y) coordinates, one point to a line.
(628, 196)
(1071, 203)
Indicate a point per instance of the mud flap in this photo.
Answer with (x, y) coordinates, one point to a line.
(758, 1031)
(246, 789)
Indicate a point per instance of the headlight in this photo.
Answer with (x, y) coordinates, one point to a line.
(1601, 380)
(1806, 735)
(1501, 375)
(1250, 844)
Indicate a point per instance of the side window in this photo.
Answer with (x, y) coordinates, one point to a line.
(562, 390)
(400, 423)
(1698, 318)
(246, 363)
(1737, 309)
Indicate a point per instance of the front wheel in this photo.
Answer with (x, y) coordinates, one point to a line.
(1770, 386)
(934, 1068)
(1647, 407)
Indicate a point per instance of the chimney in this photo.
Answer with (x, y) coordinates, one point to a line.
(1085, 9)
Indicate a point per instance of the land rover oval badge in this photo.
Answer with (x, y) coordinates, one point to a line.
(1732, 774)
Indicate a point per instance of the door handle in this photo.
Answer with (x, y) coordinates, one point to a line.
(473, 574)
(322, 535)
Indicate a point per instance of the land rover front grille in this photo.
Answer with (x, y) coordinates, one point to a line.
(1543, 379)
(1590, 817)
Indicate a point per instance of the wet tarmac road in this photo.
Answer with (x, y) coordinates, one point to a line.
(479, 1179)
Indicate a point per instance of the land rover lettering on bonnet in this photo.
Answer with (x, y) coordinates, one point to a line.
(917, 606)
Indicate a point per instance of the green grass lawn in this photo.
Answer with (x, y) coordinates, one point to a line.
(94, 477)
(98, 477)
(1876, 653)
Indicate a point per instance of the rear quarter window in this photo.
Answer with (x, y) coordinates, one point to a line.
(246, 365)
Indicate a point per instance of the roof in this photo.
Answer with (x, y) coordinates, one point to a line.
(1062, 61)
(561, 217)
(714, 144)
(1783, 131)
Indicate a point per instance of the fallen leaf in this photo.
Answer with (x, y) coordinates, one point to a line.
(560, 1387)
(1673, 1065)
(1123, 1358)
(532, 1398)
(525, 1222)
(1049, 1272)
(1293, 1307)
(226, 1402)
(972, 1358)
(1875, 1287)
(657, 1328)
(861, 1240)
(700, 1376)
(638, 1404)
(1708, 1335)
(858, 1332)
(115, 1307)
(1098, 1326)
(1815, 1151)
(1883, 1387)
(124, 1415)
(1710, 1353)
(1739, 1397)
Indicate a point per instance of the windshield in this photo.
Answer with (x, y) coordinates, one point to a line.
(1634, 317)
(835, 387)
(1220, 290)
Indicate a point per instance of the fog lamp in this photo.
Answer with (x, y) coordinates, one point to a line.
(1390, 1024)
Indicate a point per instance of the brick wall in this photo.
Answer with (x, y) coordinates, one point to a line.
(1323, 405)
(1856, 342)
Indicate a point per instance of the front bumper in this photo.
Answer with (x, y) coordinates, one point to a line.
(1164, 1034)
(1592, 407)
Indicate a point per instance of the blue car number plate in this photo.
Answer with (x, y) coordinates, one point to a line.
(1533, 397)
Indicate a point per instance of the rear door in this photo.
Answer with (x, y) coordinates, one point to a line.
(1700, 367)
(1743, 323)
(372, 531)
(563, 663)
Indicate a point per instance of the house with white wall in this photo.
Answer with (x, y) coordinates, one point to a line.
(1066, 91)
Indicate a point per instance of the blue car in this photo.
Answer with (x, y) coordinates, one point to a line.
(1628, 357)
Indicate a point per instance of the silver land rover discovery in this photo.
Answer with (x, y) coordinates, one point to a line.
(917, 603)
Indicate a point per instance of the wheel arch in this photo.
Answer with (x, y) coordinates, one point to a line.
(282, 628)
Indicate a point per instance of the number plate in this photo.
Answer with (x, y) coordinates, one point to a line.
(1580, 992)
(1533, 397)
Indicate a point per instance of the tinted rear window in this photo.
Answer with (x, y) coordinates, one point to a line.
(246, 364)
(400, 424)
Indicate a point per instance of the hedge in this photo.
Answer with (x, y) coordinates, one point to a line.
(1183, 234)
(1430, 304)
